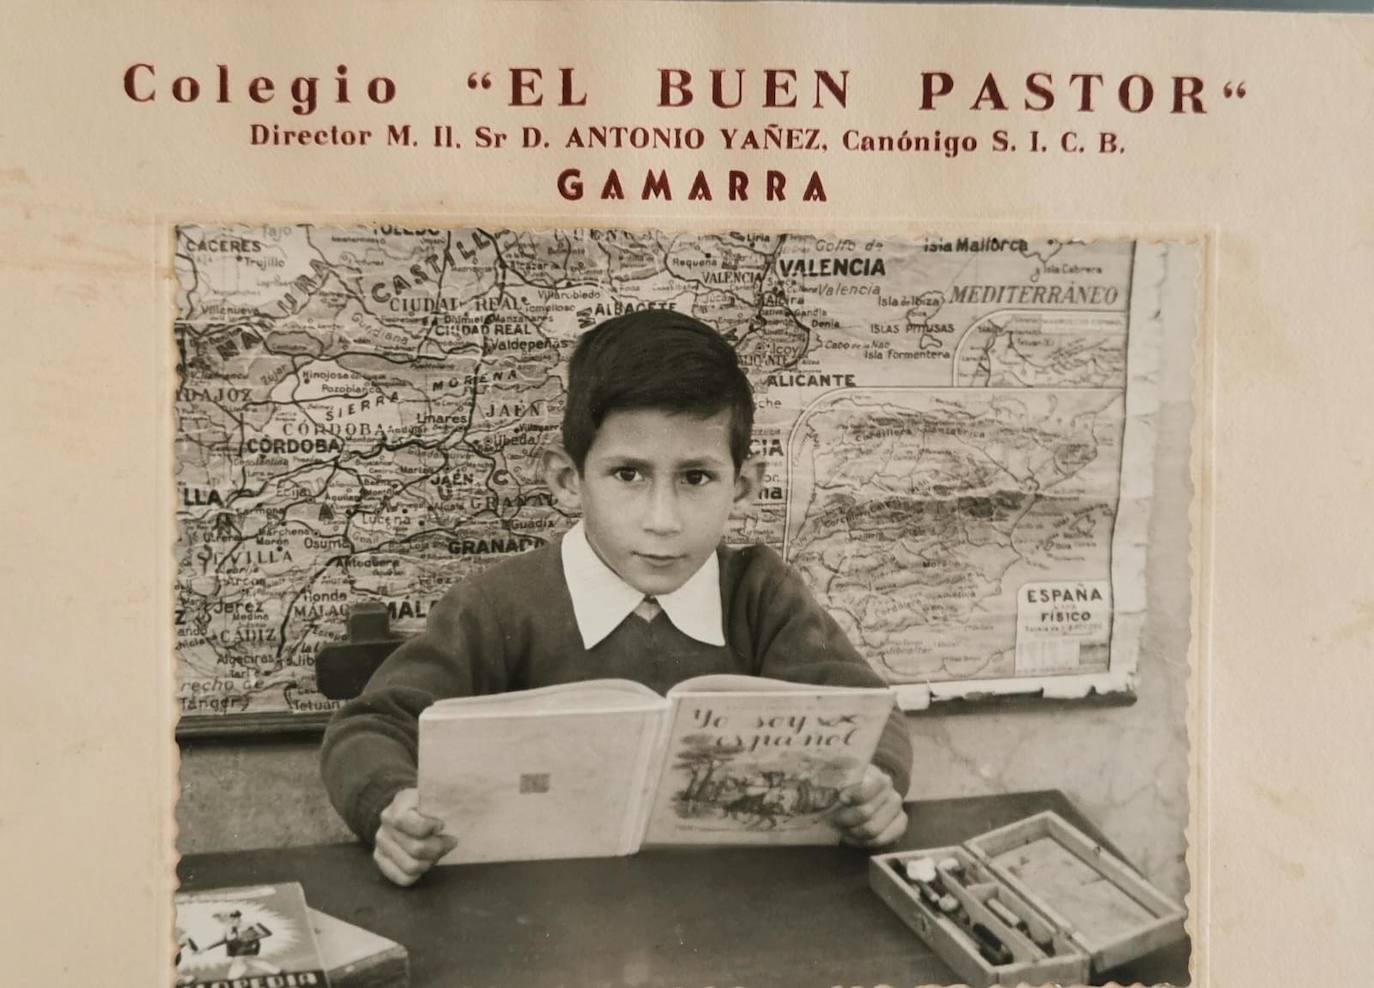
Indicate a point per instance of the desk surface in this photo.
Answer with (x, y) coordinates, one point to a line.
(795, 917)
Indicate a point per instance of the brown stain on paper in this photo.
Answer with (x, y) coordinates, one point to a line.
(1292, 871)
(1361, 627)
(1294, 803)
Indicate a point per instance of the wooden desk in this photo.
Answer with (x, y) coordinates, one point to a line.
(790, 917)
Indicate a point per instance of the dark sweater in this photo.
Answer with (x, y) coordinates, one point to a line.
(511, 627)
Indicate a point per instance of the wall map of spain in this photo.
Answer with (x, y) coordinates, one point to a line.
(956, 443)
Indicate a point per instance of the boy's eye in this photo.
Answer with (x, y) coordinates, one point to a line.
(696, 478)
(626, 475)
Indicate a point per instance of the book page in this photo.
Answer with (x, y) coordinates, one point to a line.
(593, 696)
(728, 683)
(557, 785)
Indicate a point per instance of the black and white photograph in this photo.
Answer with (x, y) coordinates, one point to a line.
(592, 542)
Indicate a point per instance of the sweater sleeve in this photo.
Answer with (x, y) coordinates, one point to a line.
(370, 746)
(796, 639)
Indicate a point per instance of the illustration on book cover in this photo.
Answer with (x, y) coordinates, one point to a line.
(263, 931)
(720, 786)
(775, 774)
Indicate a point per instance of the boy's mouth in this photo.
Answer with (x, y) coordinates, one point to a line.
(654, 559)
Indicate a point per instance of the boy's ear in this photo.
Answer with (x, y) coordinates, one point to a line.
(749, 481)
(560, 473)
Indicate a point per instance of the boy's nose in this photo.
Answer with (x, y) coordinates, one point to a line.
(662, 515)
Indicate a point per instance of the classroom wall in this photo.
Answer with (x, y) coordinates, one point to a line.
(1125, 767)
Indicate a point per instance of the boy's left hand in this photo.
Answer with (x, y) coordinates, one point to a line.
(871, 812)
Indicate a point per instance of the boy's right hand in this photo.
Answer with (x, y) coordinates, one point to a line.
(408, 843)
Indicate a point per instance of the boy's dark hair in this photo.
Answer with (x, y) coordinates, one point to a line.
(654, 358)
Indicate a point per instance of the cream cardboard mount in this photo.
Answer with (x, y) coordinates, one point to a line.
(92, 181)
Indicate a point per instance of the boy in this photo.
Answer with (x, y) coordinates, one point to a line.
(655, 457)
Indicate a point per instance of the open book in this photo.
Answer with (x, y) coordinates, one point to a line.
(599, 768)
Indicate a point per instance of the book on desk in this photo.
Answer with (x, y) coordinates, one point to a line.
(228, 936)
(267, 935)
(358, 958)
(599, 768)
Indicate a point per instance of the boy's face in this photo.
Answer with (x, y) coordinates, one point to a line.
(655, 492)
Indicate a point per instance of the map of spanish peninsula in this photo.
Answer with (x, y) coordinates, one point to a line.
(947, 427)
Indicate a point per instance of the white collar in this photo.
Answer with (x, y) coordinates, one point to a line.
(601, 599)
